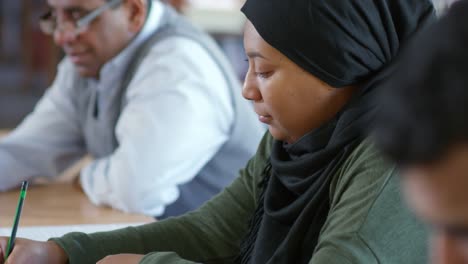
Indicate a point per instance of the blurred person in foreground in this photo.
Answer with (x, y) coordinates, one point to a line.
(423, 126)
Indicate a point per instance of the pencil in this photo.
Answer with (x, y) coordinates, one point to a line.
(19, 208)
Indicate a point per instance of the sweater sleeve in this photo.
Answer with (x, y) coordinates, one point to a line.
(368, 222)
(211, 234)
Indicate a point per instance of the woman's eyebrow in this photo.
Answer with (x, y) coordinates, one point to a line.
(255, 54)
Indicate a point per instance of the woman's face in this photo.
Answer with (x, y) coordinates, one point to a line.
(291, 101)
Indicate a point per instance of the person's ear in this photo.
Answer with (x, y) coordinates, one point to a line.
(137, 10)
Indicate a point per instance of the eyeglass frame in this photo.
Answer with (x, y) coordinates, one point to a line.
(80, 24)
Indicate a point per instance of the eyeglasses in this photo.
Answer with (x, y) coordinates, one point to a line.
(49, 24)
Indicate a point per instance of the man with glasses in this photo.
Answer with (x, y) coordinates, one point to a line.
(149, 96)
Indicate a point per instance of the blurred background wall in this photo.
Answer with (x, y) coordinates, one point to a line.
(28, 59)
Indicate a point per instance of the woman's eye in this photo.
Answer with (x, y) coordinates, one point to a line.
(263, 75)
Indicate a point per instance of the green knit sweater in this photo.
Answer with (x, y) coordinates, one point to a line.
(367, 222)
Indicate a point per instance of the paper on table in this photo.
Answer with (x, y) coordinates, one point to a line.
(43, 233)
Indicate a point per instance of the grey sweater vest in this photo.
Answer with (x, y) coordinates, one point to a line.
(245, 132)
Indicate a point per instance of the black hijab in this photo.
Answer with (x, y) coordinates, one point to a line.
(342, 42)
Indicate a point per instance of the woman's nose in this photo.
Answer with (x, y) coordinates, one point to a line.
(250, 90)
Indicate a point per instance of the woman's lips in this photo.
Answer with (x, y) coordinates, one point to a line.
(265, 119)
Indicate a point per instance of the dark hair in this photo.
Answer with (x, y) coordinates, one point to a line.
(424, 105)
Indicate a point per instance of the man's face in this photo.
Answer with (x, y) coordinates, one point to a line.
(438, 193)
(102, 39)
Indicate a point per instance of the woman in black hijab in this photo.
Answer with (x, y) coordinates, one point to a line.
(345, 48)
(316, 191)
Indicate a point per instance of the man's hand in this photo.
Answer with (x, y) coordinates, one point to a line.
(121, 259)
(28, 251)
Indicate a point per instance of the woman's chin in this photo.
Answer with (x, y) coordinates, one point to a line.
(277, 134)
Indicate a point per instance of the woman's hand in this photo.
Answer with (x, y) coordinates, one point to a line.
(121, 259)
(28, 251)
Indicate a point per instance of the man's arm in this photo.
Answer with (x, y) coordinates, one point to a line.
(178, 115)
(47, 141)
